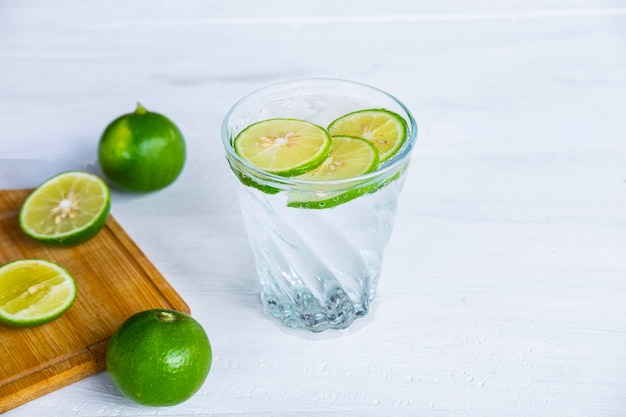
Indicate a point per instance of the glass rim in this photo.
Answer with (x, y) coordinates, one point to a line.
(395, 163)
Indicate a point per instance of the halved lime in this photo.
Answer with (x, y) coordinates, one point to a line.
(34, 292)
(350, 157)
(385, 129)
(284, 147)
(66, 209)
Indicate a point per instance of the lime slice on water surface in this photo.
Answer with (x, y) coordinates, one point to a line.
(284, 147)
(385, 129)
(67, 209)
(350, 157)
(34, 292)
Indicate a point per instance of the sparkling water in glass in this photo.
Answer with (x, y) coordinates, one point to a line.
(318, 267)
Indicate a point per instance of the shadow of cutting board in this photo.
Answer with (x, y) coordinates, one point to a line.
(114, 279)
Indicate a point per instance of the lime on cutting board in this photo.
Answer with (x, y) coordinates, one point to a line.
(34, 292)
(66, 209)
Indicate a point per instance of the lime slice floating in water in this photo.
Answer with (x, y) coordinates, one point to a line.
(385, 129)
(67, 209)
(285, 147)
(34, 292)
(350, 157)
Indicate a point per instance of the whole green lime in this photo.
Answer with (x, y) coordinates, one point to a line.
(141, 151)
(159, 357)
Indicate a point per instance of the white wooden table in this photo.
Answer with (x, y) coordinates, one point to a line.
(504, 285)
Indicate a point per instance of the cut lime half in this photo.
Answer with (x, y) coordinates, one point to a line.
(385, 129)
(34, 292)
(67, 209)
(285, 147)
(350, 157)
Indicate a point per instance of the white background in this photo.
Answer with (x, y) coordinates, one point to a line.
(504, 284)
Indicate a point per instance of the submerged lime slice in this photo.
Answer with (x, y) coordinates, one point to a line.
(67, 209)
(34, 292)
(350, 157)
(286, 147)
(385, 129)
(247, 180)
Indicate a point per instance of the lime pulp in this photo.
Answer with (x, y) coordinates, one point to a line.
(34, 292)
(66, 209)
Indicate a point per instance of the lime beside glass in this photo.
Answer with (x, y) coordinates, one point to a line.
(159, 357)
(142, 151)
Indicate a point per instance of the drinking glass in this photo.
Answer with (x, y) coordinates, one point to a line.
(318, 245)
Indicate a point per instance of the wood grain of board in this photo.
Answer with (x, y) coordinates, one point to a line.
(114, 279)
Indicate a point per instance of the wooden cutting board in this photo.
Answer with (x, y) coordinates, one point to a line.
(114, 279)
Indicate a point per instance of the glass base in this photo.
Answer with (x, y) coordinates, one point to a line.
(337, 311)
